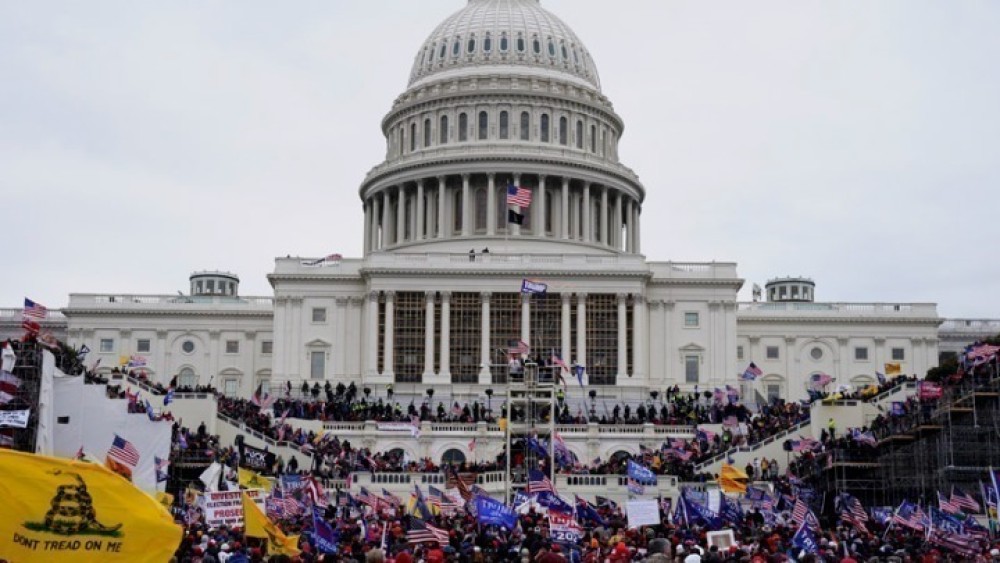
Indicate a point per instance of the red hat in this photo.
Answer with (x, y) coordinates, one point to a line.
(556, 547)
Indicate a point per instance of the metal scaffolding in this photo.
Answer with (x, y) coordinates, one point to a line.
(531, 404)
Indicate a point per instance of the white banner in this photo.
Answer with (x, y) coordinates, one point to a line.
(15, 419)
(394, 426)
(226, 507)
(643, 513)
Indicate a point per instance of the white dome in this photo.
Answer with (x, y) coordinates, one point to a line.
(491, 36)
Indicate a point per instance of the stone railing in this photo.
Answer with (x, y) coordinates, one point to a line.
(568, 431)
(752, 447)
(853, 309)
(103, 301)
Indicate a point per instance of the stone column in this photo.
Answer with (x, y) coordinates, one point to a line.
(629, 227)
(622, 337)
(419, 235)
(401, 215)
(513, 229)
(585, 210)
(486, 354)
(385, 218)
(564, 215)
(581, 329)
(491, 204)
(375, 204)
(636, 232)
(526, 318)
(429, 336)
(538, 221)
(445, 371)
(442, 188)
(576, 232)
(605, 239)
(366, 242)
(388, 349)
(616, 223)
(565, 329)
(638, 336)
(466, 218)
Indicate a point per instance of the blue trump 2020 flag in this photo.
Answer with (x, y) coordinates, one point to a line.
(805, 538)
(489, 511)
(641, 474)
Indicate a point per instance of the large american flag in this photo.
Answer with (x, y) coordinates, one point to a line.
(421, 532)
(852, 512)
(123, 451)
(946, 505)
(965, 545)
(964, 500)
(909, 515)
(35, 311)
(801, 513)
(517, 195)
(538, 482)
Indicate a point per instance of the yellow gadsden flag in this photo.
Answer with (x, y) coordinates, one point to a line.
(732, 480)
(252, 480)
(257, 525)
(892, 369)
(64, 510)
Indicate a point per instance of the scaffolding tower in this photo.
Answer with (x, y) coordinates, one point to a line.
(531, 412)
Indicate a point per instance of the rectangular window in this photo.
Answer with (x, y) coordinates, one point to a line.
(107, 345)
(773, 392)
(691, 369)
(231, 387)
(319, 315)
(739, 352)
(266, 346)
(861, 353)
(898, 354)
(691, 319)
(232, 346)
(142, 345)
(317, 365)
(772, 353)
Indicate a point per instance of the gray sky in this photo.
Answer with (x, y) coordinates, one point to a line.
(854, 142)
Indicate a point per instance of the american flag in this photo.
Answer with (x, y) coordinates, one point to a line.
(123, 451)
(366, 497)
(519, 348)
(538, 482)
(421, 532)
(801, 513)
(852, 512)
(436, 497)
(463, 488)
(391, 498)
(517, 195)
(946, 505)
(35, 311)
(909, 515)
(964, 500)
(752, 372)
(965, 545)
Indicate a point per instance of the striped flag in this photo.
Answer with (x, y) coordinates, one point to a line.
(538, 482)
(123, 451)
(752, 372)
(463, 487)
(852, 512)
(34, 311)
(946, 505)
(391, 498)
(801, 513)
(519, 196)
(910, 516)
(964, 500)
(965, 545)
(422, 532)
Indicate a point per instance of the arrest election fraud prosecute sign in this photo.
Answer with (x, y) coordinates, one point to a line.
(643, 513)
(226, 507)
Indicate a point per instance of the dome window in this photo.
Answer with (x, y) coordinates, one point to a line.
(565, 55)
(413, 137)
(579, 135)
(504, 125)
(484, 125)
(423, 57)
(525, 125)
(545, 128)
(471, 48)
(536, 46)
(427, 133)
(576, 57)
(444, 51)
(563, 125)
(443, 130)
(487, 44)
(456, 48)
(463, 127)
(552, 48)
(520, 43)
(503, 43)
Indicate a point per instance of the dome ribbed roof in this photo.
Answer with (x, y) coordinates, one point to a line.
(490, 36)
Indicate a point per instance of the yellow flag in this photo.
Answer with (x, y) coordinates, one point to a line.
(503, 424)
(893, 369)
(63, 510)
(166, 499)
(257, 525)
(732, 480)
(252, 480)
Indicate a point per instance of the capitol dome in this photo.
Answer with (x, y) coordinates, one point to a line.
(491, 34)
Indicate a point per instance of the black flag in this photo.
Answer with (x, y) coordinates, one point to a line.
(515, 217)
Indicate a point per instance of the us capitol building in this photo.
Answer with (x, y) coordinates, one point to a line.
(502, 93)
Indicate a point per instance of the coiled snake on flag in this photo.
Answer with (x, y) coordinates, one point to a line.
(72, 510)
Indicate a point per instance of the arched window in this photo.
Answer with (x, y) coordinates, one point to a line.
(463, 127)
(444, 51)
(481, 205)
(503, 43)
(484, 125)
(427, 133)
(545, 128)
(413, 137)
(453, 457)
(443, 130)
(564, 55)
(563, 125)
(579, 134)
(552, 48)
(576, 58)
(520, 43)
(487, 44)
(504, 126)
(471, 48)
(593, 139)
(456, 47)
(187, 378)
(399, 140)
(536, 46)
(621, 455)
(457, 211)
(423, 56)
(396, 454)
(525, 125)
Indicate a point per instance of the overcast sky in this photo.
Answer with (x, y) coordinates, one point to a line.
(855, 142)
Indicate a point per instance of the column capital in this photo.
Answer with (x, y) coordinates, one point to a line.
(442, 179)
(445, 296)
(621, 298)
(373, 296)
(430, 295)
(566, 297)
(581, 295)
(420, 182)
(541, 178)
(565, 182)
(390, 295)
(638, 298)
(485, 296)
(466, 176)
(491, 176)
(525, 298)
